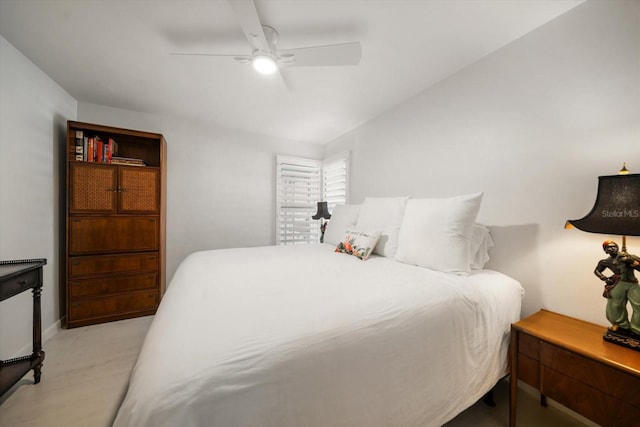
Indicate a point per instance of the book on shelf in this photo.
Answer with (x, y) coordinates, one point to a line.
(99, 150)
(91, 149)
(79, 145)
(111, 149)
(128, 161)
(94, 148)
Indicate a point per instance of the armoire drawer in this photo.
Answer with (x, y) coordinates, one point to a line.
(94, 235)
(109, 264)
(112, 305)
(112, 284)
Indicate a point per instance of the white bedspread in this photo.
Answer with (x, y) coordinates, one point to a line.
(300, 336)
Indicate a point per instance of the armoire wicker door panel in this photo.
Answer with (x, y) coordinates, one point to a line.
(138, 190)
(115, 224)
(92, 188)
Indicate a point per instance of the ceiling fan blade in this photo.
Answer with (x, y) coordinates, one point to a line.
(248, 19)
(242, 59)
(327, 55)
(208, 54)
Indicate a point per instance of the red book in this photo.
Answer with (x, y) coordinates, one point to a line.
(99, 151)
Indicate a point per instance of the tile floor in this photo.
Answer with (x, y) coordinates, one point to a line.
(85, 374)
(84, 377)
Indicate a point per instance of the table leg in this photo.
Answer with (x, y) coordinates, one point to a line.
(37, 354)
(513, 386)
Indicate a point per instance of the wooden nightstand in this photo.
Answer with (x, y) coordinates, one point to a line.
(568, 361)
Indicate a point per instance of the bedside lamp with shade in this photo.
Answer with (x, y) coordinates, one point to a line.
(323, 215)
(617, 212)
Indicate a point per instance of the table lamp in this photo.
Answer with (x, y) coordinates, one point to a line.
(617, 212)
(322, 214)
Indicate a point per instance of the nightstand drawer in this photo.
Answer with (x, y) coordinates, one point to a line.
(592, 403)
(597, 375)
(530, 346)
(529, 370)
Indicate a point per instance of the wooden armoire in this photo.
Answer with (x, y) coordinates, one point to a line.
(115, 223)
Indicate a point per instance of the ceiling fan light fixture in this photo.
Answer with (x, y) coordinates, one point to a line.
(264, 64)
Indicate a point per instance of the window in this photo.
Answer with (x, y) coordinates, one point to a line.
(298, 191)
(301, 184)
(335, 180)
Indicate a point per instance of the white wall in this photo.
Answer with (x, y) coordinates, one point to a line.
(532, 126)
(221, 183)
(33, 115)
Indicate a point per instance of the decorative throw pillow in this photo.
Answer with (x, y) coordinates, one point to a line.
(436, 233)
(358, 243)
(343, 218)
(384, 214)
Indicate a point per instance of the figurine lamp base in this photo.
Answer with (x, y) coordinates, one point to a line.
(625, 339)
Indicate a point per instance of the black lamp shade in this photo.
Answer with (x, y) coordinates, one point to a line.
(323, 211)
(617, 207)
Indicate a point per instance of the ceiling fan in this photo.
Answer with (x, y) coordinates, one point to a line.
(263, 41)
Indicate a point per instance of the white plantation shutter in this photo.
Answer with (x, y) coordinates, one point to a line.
(301, 184)
(298, 191)
(335, 180)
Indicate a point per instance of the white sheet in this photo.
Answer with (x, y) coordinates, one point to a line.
(302, 336)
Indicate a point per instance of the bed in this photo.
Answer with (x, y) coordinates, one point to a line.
(300, 335)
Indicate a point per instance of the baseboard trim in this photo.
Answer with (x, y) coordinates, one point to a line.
(47, 334)
(51, 331)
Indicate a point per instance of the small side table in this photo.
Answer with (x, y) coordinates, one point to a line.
(15, 278)
(567, 360)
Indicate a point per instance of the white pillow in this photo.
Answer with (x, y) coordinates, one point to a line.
(436, 233)
(481, 242)
(358, 243)
(384, 214)
(343, 217)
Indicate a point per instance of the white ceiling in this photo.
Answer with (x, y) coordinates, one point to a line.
(116, 53)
